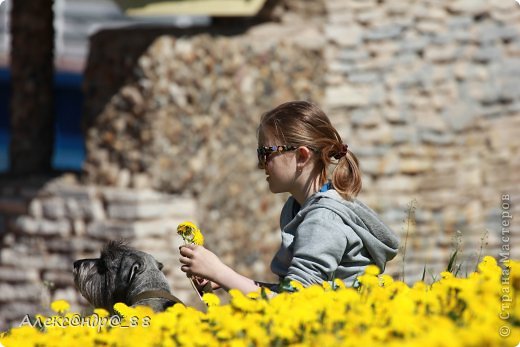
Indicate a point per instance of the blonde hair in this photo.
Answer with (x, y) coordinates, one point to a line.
(301, 123)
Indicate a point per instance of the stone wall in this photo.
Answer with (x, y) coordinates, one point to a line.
(424, 92)
(427, 94)
(48, 223)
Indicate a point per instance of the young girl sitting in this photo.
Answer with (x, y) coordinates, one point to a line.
(326, 232)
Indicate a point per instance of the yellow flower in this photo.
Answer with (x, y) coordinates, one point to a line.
(211, 299)
(190, 233)
(101, 312)
(339, 283)
(198, 238)
(372, 270)
(123, 309)
(60, 306)
(296, 285)
(186, 229)
(478, 310)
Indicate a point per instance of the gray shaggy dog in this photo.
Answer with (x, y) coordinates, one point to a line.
(123, 274)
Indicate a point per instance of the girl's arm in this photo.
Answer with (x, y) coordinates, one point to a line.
(198, 261)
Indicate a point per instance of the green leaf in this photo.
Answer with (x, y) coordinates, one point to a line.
(452, 261)
(285, 286)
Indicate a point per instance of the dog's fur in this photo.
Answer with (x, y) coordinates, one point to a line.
(122, 274)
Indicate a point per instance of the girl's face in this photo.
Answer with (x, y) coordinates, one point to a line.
(280, 167)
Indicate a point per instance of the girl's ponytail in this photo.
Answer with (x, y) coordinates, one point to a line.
(346, 177)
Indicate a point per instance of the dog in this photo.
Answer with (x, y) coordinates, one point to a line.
(123, 274)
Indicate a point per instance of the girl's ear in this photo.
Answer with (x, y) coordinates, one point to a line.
(303, 155)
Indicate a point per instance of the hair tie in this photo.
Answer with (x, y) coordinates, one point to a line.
(342, 153)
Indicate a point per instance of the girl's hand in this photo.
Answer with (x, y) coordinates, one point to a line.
(198, 261)
(201, 283)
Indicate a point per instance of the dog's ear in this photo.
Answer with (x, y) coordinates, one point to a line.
(131, 266)
(137, 267)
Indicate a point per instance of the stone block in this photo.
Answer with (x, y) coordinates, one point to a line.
(389, 164)
(467, 71)
(346, 96)
(19, 292)
(23, 260)
(398, 115)
(79, 227)
(375, 15)
(156, 228)
(438, 181)
(430, 121)
(487, 53)
(110, 230)
(366, 117)
(53, 208)
(112, 195)
(461, 22)
(441, 54)
(430, 27)
(396, 183)
(341, 67)
(27, 225)
(42, 227)
(183, 207)
(69, 190)
(352, 55)
(339, 18)
(470, 7)
(404, 134)
(35, 208)
(414, 44)
(364, 78)
(17, 275)
(436, 138)
(59, 245)
(344, 36)
(86, 247)
(89, 209)
(379, 135)
(370, 166)
(138, 211)
(461, 115)
(381, 33)
(414, 166)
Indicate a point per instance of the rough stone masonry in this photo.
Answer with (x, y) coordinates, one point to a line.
(424, 92)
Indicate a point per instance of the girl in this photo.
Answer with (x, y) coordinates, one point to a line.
(326, 232)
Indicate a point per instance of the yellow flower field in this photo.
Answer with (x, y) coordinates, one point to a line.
(480, 310)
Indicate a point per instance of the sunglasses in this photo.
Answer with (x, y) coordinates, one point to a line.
(265, 151)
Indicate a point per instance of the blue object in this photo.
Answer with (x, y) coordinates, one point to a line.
(69, 145)
(326, 187)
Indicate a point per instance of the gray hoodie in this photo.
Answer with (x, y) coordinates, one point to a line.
(330, 237)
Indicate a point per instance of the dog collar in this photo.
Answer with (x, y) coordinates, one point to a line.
(153, 294)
